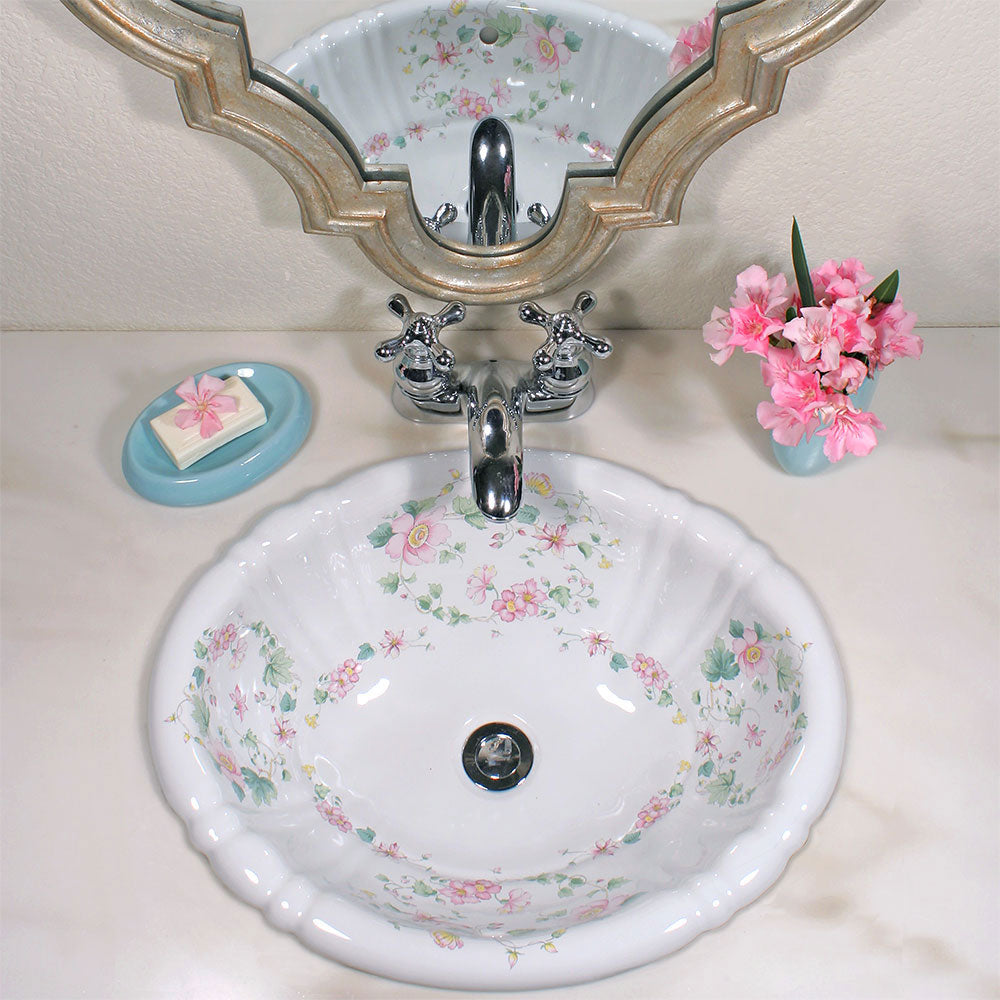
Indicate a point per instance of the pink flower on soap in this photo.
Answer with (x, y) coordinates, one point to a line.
(227, 762)
(751, 652)
(414, 538)
(548, 47)
(529, 595)
(206, 404)
(509, 606)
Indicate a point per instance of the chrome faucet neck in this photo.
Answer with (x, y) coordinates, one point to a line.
(492, 206)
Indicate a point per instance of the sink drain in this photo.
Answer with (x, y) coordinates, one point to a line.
(497, 756)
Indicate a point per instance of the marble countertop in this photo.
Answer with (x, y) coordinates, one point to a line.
(895, 894)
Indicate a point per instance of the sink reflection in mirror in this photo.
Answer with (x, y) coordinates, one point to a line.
(660, 697)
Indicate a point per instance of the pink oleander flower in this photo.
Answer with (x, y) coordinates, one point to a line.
(752, 329)
(840, 281)
(707, 742)
(847, 429)
(548, 47)
(691, 43)
(814, 336)
(563, 133)
(206, 405)
(653, 810)
(754, 287)
(471, 890)
(751, 652)
(227, 762)
(334, 815)
(446, 55)
(649, 671)
(479, 583)
(849, 319)
(393, 644)
(347, 675)
(894, 336)
(603, 847)
(517, 900)
(786, 424)
(555, 539)
(445, 939)
(800, 392)
(416, 130)
(848, 377)
(509, 606)
(414, 538)
(529, 595)
(282, 728)
(500, 92)
(780, 363)
(376, 145)
(753, 735)
(239, 700)
(756, 311)
(596, 642)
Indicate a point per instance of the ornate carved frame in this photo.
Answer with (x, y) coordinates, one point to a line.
(222, 89)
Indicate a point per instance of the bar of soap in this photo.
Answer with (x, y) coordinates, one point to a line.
(185, 445)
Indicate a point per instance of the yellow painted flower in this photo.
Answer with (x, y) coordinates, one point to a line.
(408, 68)
(309, 769)
(615, 541)
(685, 766)
(549, 947)
(455, 474)
(311, 721)
(538, 483)
(806, 645)
(605, 563)
(456, 7)
(187, 736)
(679, 718)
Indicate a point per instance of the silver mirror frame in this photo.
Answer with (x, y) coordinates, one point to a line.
(221, 89)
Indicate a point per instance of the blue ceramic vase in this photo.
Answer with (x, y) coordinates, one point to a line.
(807, 458)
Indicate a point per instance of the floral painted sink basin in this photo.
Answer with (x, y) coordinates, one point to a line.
(407, 82)
(677, 690)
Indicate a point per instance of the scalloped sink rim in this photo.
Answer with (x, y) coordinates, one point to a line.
(653, 927)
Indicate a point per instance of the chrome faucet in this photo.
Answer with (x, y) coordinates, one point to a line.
(496, 396)
(492, 207)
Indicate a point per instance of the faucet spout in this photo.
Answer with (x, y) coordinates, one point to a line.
(492, 207)
(495, 397)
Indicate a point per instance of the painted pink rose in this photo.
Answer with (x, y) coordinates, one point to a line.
(598, 908)
(227, 762)
(346, 676)
(654, 809)
(529, 595)
(691, 43)
(548, 47)
(206, 404)
(334, 815)
(414, 539)
(471, 104)
(509, 606)
(478, 584)
(227, 640)
(751, 653)
(376, 145)
(555, 539)
(649, 671)
(599, 150)
(471, 890)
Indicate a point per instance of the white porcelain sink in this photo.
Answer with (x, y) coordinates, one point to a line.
(408, 82)
(679, 689)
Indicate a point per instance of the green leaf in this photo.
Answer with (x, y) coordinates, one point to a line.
(802, 276)
(439, 614)
(696, 697)
(421, 888)
(465, 33)
(790, 314)
(567, 87)
(380, 535)
(735, 628)
(666, 698)
(583, 138)
(389, 583)
(277, 670)
(564, 892)
(719, 663)
(801, 721)
(885, 291)
(286, 775)
(200, 713)
(416, 507)
(546, 22)
(616, 883)
(399, 141)
(527, 514)
(760, 630)
(706, 769)
(796, 701)
(199, 676)
(719, 787)
(367, 834)
(322, 791)
(576, 880)
(262, 789)
(441, 98)
(735, 713)
(459, 546)
(560, 595)
(365, 651)
(287, 703)
(618, 662)
(586, 548)
(320, 696)
(532, 96)
(573, 41)
(786, 673)
(240, 794)
(200, 650)
(424, 603)
(435, 590)
(676, 790)
(631, 837)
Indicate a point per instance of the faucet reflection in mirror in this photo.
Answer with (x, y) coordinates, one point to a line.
(495, 395)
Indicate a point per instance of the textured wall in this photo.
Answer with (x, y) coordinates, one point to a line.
(116, 216)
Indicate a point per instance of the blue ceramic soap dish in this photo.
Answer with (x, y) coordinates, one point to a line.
(235, 466)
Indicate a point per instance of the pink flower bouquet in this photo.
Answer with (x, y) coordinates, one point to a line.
(818, 343)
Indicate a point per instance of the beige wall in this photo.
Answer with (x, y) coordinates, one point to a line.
(116, 216)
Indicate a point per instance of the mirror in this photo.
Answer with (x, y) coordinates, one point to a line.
(488, 150)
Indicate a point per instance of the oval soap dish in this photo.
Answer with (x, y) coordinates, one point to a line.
(235, 466)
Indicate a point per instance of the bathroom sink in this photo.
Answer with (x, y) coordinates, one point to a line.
(408, 82)
(480, 755)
